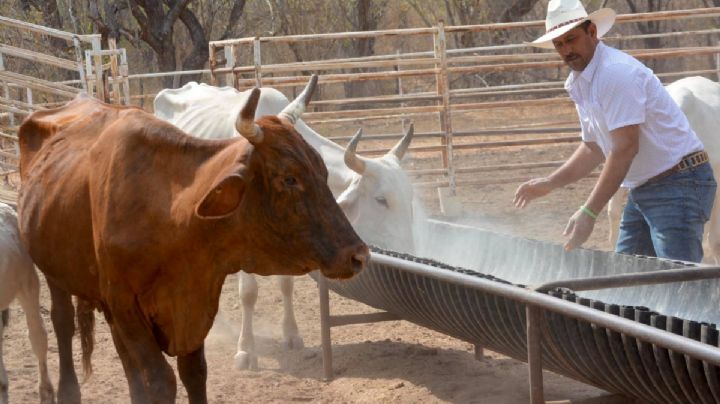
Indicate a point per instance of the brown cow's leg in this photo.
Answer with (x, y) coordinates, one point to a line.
(142, 351)
(193, 373)
(62, 314)
(132, 372)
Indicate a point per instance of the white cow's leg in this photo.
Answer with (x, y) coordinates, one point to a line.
(614, 211)
(246, 356)
(29, 298)
(3, 375)
(291, 335)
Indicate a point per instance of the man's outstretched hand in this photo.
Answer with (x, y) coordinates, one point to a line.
(530, 190)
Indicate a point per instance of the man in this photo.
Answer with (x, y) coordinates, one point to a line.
(630, 122)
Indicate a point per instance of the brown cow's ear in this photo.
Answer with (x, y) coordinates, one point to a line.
(222, 199)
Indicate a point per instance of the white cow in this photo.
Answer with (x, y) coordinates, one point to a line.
(375, 194)
(699, 98)
(19, 279)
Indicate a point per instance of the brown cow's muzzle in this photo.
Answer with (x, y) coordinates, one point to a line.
(351, 260)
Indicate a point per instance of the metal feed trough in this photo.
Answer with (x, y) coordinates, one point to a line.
(656, 342)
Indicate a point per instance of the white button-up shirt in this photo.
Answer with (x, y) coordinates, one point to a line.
(617, 90)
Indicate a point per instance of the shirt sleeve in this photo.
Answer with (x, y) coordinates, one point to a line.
(623, 95)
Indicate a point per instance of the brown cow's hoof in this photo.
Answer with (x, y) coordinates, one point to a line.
(68, 394)
(3, 393)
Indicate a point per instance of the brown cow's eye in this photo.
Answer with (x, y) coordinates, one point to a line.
(290, 181)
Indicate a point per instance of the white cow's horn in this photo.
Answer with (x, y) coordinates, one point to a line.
(401, 147)
(296, 108)
(245, 122)
(355, 162)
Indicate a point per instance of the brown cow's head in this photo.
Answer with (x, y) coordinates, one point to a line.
(290, 221)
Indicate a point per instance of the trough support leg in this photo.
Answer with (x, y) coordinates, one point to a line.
(325, 327)
(479, 352)
(534, 348)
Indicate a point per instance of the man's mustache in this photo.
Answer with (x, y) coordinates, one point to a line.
(571, 57)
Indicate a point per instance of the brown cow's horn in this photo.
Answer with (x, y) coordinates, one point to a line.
(355, 162)
(401, 147)
(245, 122)
(296, 108)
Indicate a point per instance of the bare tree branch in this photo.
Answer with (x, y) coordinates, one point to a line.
(450, 14)
(176, 7)
(516, 10)
(421, 13)
(236, 13)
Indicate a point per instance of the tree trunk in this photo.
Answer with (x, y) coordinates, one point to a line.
(364, 20)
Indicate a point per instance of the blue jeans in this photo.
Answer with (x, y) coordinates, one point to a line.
(665, 218)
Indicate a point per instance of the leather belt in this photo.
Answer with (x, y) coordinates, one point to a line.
(690, 161)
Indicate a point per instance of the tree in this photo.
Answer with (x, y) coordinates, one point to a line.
(154, 23)
(650, 27)
(362, 15)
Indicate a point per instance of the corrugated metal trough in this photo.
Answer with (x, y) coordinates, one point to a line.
(581, 349)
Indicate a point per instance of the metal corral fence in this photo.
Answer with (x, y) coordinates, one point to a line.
(31, 78)
(467, 102)
(420, 77)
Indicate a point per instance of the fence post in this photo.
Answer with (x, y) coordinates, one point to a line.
(114, 71)
(89, 73)
(257, 60)
(443, 90)
(97, 59)
(124, 73)
(229, 62)
(6, 90)
(79, 60)
(212, 63)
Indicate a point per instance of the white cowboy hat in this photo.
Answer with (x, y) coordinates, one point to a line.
(564, 15)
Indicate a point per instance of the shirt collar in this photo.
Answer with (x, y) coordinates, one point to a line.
(587, 74)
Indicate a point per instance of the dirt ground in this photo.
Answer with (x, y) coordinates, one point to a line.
(396, 362)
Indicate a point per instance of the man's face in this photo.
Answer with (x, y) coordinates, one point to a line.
(577, 47)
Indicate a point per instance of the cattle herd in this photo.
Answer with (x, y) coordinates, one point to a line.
(141, 217)
(158, 220)
(375, 194)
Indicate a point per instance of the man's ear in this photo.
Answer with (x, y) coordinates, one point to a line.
(223, 199)
(592, 30)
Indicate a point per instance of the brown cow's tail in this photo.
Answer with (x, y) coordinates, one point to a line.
(86, 324)
(5, 317)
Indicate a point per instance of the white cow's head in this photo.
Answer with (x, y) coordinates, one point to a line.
(379, 200)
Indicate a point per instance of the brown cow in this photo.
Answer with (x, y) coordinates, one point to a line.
(145, 222)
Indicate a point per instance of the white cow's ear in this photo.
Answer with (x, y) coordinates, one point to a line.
(223, 199)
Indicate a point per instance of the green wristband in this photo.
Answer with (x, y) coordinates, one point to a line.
(584, 209)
